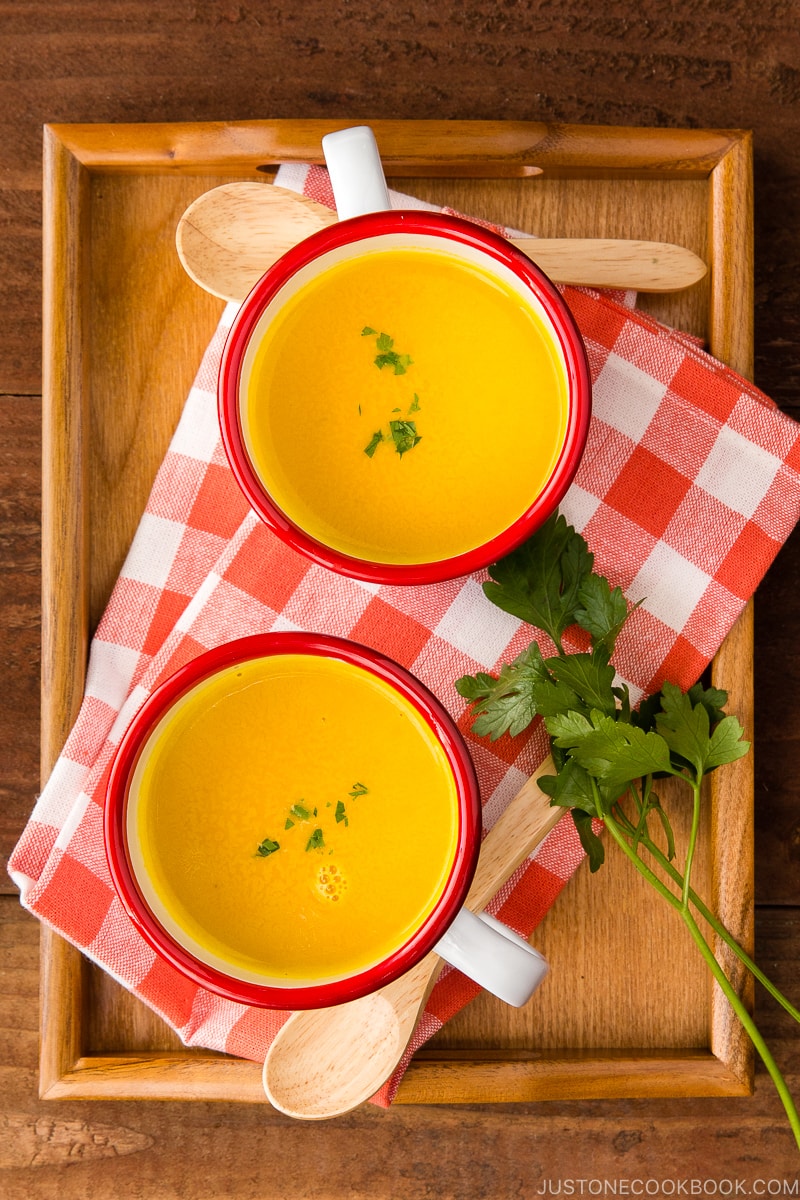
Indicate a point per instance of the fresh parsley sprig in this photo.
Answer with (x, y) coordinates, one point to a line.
(609, 757)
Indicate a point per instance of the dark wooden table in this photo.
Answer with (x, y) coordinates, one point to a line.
(705, 64)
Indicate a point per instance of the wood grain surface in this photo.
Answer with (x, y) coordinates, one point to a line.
(705, 65)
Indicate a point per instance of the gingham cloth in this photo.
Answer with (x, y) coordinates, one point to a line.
(689, 485)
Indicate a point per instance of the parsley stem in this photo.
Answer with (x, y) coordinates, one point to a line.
(747, 1021)
(687, 866)
(642, 867)
(641, 836)
(724, 983)
(705, 912)
(641, 828)
(722, 932)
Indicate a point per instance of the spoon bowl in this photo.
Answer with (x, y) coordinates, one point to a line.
(326, 1065)
(228, 237)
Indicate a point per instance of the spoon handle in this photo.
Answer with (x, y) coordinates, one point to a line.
(615, 262)
(410, 992)
(515, 834)
(644, 266)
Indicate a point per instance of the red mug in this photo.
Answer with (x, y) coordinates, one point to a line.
(166, 770)
(470, 456)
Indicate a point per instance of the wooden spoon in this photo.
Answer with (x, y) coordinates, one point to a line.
(229, 236)
(324, 1062)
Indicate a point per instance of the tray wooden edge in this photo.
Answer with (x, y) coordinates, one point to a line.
(430, 1079)
(70, 154)
(480, 149)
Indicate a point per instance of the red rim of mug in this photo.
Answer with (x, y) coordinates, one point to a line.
(328, 992)
(413, 223)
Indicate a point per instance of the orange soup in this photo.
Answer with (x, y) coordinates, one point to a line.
(405, 406)
(293, 818)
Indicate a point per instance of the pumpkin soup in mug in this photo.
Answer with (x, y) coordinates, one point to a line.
(404, 397)
(404, 406)
(293, 818)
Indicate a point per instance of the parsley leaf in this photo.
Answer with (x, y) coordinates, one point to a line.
(713, 700)
(267, 847)
(387, 356)
(592, 845)
(614, 752)
(727, 743)
(374, 442)
(398, 362)
(686, 727)
(603, 610)
(570, 788)
(316, 841)
(404, 436)
(540, 582)
(590, 676)
(475, 687)
(506, 704)
(645, 715)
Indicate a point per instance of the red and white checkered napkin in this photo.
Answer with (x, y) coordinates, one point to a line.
(689, 485)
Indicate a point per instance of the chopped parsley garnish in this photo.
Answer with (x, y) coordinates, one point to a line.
(388, 356)
(398, 362)
(316, 841)
(300, 813)
(267, 847)
(404, 436)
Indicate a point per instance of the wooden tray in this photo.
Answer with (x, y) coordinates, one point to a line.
(628, 1010)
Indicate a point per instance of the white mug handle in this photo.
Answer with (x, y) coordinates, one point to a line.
(494, 956)
(354, 165)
